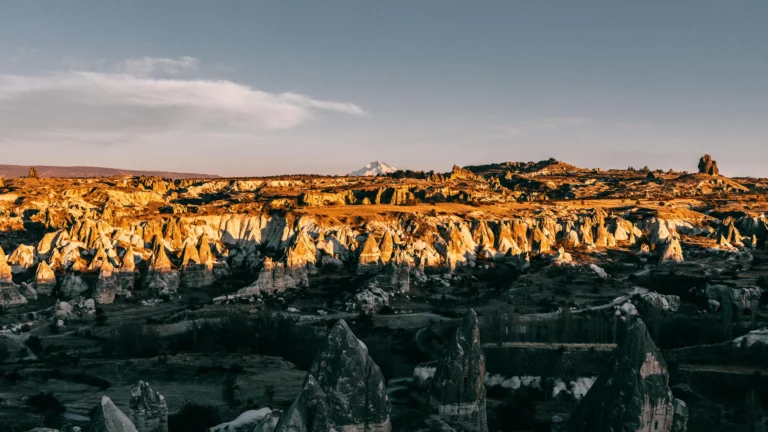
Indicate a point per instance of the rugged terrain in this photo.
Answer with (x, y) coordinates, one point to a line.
(511, 296)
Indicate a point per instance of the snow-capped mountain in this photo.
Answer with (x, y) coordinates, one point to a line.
(373, 169)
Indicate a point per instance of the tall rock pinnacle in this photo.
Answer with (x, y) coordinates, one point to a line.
(458, 392)
(344, 390)
(632, 392)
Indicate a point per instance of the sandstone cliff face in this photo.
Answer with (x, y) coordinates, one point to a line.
(344, 390)
(458, 392)
(632, 392)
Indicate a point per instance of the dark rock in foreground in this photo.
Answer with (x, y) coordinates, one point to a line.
(458, 392)
(109, 418)
(344, 390)
(632, 392)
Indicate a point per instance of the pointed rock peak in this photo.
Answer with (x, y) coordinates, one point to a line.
(109, 418)
(459, 379)
(189, 255)
(128, 263)
(352, 385)
(632, 392)
(204, 250)
(3, 257)
(44, 272)
(673, 252)
(309, 412)
(160, 260)
(370, 247)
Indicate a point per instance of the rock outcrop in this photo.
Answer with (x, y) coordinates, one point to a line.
(107, 285)
(344, 390)
(72, 286)
(708, 166)
(149, 411)
(458, 389)
(672, 252)
(109, 418)
(632, 392)
(45, 279)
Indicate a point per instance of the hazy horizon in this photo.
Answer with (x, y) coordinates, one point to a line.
(252, 89)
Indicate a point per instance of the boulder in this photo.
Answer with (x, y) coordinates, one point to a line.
(458, 389)
(370, 300)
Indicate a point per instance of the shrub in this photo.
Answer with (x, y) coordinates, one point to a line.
(194, 417)
(131, 341)
(46, 403)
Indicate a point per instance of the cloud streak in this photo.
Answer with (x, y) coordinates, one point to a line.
(148, 66)
(122, 106)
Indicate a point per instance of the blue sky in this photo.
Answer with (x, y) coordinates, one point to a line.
(259, 88)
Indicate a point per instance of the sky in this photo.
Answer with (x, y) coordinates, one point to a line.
(252, 88)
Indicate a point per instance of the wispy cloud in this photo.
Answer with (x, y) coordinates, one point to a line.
(117, 106)
(149, 66)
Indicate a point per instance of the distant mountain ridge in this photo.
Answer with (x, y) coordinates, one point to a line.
(87, 171)
(373, 169)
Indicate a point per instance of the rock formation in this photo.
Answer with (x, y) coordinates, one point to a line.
(72, 286)
(45, 279)
(632, 392)
(672, 252)
(344, 390)
(107, 285)
(458, 390)
(149, 411)
(162, 277)
(708, 166)
(109, 418)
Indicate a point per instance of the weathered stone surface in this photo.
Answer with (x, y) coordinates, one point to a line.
(6, 273)
(77, 308)
(708, 166)
(344, 390)
(45, 279)
(148, 409)
(632, 392)
(194, 272)
(107, 285)
(23, 258)
(672, 252)
(458, 390)
(370, 255)
(10, 296)
(309, 412)
(109, 418)
(370, 300)
(72, 286)
(162, 277)
(680, 419)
